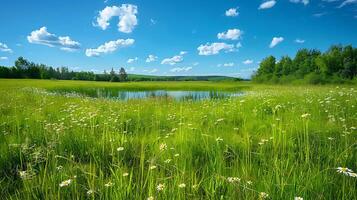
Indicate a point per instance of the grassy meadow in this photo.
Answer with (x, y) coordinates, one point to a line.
(275, 142)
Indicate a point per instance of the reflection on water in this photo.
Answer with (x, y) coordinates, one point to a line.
(132, 94)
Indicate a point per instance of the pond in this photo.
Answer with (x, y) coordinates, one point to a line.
(144, 94)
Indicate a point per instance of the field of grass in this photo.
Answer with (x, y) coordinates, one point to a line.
(275, 142)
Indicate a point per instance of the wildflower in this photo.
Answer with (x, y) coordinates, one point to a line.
(26, 175)
(150, 198)
(125, 174)
(305, 115)
(59, 168)
(298, 198)
(167, 161)
(236, 129)
(344, 170)
(249, 182)
(177, 155)
(163, 146)
(352, 174)
(89, 192)
(120, 149)
(109, 184)
(219, 120)
(233, 179)
(330, 138)
(194, 186)
(182, 185)
(219, 139)
(263, 195)
(160, 187)
(152, 167)
(65, 183)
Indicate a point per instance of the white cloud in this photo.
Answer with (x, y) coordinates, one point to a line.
(42, 36)
(300, 41)
(232, 12)
(267, 5)
(110, 46)
(151, 58)
(215, 48)
(231, 34)
(347, 2)
(127, 17)
(151, 71)
(248, 62)
(183, 53)
(5, 48)
(174, 60)
(131, 60)
(3, 58)
(305, 2)
(195, 63)
(276, 41)
(181, 69)
(231, 64)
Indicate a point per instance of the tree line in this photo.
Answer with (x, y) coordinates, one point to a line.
(337, 65)
(26, 69)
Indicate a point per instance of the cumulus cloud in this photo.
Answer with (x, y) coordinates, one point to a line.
(127, 17)
(267, 5)
(347, 2)
(151, 58)
(248, 62)
(5, 48)
(231, 34)
(215, 48)
(131, 60)
(181, 69)
(174, 60)
(276, 41)
(109, 47)
(42, 36)
(232, 12)
(3, 58)
(305, 2)
(300, 41)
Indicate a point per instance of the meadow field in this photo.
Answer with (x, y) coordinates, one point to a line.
(274, 142)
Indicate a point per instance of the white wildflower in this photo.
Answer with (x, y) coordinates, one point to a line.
(160, 187)
(263, 195)
(120, 149)
(109, 184)
(163, 146)
(65, 183)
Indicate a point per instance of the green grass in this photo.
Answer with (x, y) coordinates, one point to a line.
(286, 141)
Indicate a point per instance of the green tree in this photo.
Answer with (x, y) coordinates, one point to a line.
(123, 76)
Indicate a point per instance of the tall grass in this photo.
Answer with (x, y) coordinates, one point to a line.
(275, 142)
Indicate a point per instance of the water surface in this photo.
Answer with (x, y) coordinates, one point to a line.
(144, 94)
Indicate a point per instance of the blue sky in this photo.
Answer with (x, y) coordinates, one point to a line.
(183, 37)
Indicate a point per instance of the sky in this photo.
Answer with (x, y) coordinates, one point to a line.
(171, 37)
